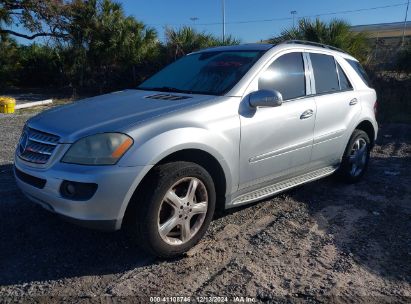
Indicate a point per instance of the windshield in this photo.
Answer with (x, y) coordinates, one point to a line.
(210, 73)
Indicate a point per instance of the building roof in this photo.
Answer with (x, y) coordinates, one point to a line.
(383, 30)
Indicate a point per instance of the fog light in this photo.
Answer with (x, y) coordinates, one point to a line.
(77, 191)
(70, 189)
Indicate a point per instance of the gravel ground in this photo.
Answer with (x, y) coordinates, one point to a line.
(322, 242)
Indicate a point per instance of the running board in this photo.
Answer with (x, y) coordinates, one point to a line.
(282, 186)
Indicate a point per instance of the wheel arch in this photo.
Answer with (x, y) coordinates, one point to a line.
(368, 128)
(194, 155)
(207, 161)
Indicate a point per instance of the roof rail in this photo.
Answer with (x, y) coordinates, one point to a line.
(325, 46)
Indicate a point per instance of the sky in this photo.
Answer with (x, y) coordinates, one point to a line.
(255, 20)
(175, 13)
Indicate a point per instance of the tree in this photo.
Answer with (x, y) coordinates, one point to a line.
(42, 18)
(403, 61)
(186, 40)
(105, 44)
(95, 45)
(40, 66)
(335, 33)
(10, 65)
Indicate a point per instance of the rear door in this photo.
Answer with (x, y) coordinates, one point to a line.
(277, 141)
(337, 108)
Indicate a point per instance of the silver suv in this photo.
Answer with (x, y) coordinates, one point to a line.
(224, 126)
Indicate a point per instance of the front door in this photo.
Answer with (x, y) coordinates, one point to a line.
(277, 142)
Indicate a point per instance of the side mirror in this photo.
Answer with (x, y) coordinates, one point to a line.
(265, 98)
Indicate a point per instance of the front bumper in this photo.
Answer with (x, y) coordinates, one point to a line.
(104, 210)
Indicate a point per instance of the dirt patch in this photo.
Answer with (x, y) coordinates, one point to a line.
(323, 242)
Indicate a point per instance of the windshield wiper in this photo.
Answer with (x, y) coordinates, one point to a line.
(165, 89)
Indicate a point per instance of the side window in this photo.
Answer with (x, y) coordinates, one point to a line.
(325, 73)
(286, 75)
(344, 82)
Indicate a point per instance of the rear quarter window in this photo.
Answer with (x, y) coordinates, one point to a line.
(360, 71)
(344, 82)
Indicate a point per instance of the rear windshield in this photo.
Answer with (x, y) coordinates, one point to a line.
(360, 71)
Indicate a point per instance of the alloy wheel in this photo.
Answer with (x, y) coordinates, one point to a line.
(358, 157)
(182, 211)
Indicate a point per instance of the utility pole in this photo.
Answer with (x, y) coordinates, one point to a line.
(293, 13)
(223, 7)
(405, 24)
(194, 19)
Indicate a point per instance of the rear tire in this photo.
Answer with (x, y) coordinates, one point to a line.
(356, 157)
(173, 209)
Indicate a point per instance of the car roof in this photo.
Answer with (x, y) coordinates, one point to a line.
(286, 44)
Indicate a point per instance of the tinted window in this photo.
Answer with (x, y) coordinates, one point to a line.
(325, 73)
(344, 82)
(360, 71)
(211, 72)
(286, 75)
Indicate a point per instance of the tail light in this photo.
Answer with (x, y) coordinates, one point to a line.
(375, 108)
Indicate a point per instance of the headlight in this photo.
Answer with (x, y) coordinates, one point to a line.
(99, 149)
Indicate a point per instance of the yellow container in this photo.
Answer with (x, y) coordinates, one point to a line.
(7, 104)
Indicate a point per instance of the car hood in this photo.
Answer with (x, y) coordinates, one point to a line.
(112, 112)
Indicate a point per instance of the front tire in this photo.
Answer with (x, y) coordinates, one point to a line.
(356, 157)
(174, 210)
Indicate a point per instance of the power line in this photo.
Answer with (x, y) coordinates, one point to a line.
(290, 18)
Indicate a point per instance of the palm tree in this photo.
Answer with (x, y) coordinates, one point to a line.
(105, 43)
(138, 42)
(186, 39)
(336, 33)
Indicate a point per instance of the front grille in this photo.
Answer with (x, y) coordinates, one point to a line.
(36, 146)
(29, 179)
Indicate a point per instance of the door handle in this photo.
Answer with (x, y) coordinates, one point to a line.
(307, 114)
(353, 101)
